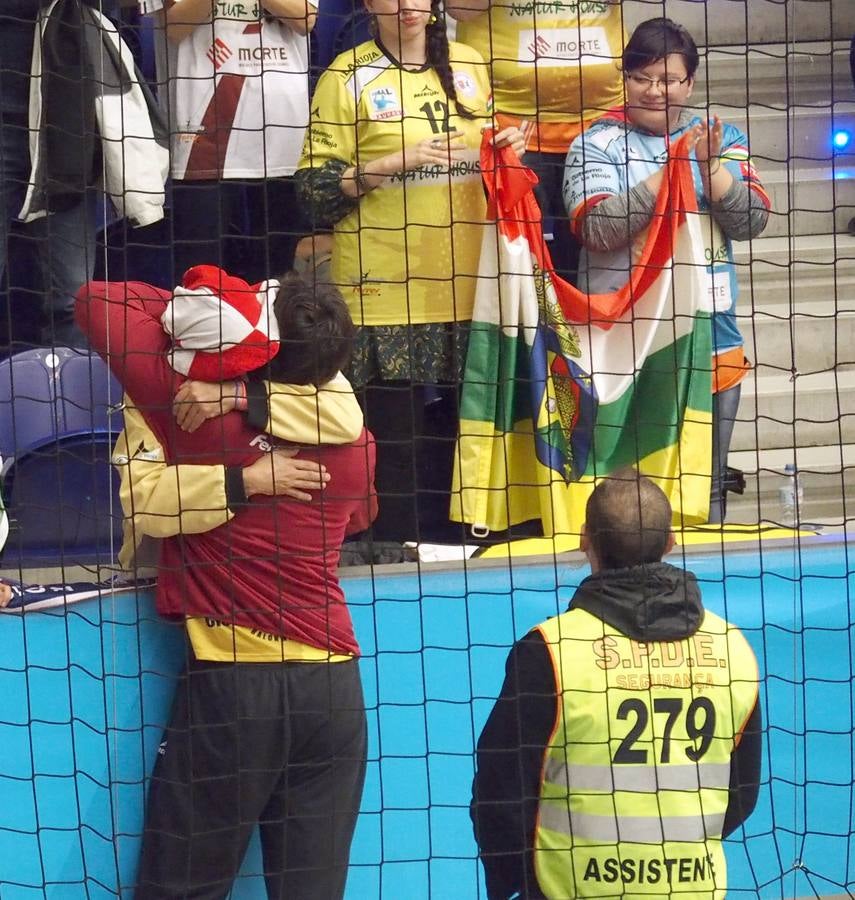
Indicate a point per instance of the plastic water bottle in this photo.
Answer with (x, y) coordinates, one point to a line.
(792, 495)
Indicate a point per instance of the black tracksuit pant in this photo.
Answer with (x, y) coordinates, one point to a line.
(278, 744)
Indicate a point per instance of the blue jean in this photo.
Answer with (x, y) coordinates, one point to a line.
(64, 241)
(725, 408)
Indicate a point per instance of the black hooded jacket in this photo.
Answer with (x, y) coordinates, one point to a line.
(657, 602)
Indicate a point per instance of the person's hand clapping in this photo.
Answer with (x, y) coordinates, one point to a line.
(706, 140)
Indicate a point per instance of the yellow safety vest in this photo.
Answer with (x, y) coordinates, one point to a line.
(635, 780)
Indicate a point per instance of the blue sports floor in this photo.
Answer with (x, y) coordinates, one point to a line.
(84, 693)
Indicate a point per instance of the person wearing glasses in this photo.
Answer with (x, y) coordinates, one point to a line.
(613, 174)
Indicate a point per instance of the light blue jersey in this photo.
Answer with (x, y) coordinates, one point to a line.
(612, 157)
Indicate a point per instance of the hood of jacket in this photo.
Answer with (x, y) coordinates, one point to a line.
(656, 602)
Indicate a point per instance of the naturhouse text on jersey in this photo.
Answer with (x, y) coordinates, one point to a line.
(463, 170)
(559, 9)
(248, 10)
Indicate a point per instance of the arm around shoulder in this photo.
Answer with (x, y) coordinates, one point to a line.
(304, 414)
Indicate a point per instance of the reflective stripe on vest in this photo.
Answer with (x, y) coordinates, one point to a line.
(646, 779)
(641, 829)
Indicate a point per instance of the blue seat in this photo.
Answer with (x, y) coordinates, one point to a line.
(59, 416)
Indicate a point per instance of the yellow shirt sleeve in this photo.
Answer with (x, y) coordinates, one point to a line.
(304, 414)
(158, 500)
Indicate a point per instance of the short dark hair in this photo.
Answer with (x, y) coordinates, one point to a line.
(315, 332)
(654, 40)
(627, 520)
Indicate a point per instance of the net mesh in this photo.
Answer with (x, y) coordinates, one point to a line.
(499, 382)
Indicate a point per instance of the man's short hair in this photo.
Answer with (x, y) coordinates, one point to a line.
(627, 520)
(654, 40)
(315, 331)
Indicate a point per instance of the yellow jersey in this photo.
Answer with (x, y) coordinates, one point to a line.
(555, 65)
(408, 253)
(635, 779)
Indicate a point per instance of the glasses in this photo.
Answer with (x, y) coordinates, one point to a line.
(666, 84)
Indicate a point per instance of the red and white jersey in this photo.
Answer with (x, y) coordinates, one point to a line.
(236, 91)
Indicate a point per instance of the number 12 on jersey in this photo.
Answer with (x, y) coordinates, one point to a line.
(437, 124)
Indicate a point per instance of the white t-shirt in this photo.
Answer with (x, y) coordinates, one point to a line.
(237, 93)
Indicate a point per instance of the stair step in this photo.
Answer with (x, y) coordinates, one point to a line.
(830, 459)
(776, 75)
(797, 298)
(794, 272)
(812, 342)
(798, 137)
(771, 256)
(796, 290)
(827, 474)
(811, 200)
(811, 410)
(742, 21)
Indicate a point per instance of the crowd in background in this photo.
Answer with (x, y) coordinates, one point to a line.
(378, 162)
(274, 136)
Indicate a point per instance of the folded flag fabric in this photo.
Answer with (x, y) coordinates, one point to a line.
(221, 326)
(562, 387)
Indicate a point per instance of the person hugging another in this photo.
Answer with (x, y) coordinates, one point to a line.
(268, 721)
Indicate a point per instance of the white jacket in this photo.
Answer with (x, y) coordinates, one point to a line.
(134, 146)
